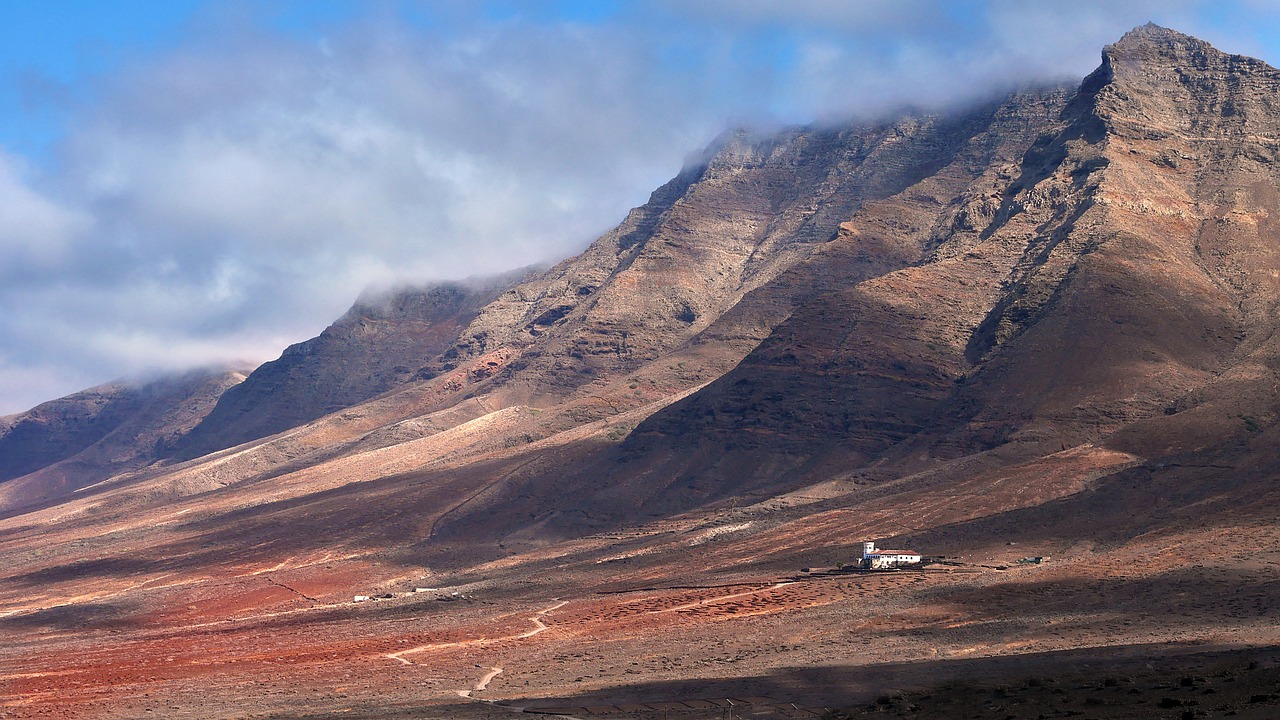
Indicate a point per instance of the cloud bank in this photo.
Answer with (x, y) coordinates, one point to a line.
(234, 193)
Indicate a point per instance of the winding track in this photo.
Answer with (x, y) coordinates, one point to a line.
(721, 598)
(536, 619)
(481, 684)
(539, 627)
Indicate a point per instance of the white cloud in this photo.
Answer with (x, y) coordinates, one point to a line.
(36, 232)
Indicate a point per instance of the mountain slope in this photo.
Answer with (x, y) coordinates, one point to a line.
(672, 298)
(380, 343)
(875, 299)
(1105, 280)
(63, 445)
(713, 236)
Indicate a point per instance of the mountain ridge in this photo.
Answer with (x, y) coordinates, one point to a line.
(380, 343)
(63, 445)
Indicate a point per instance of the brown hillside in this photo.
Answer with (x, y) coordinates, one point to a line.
(380, 343)
(61, 446)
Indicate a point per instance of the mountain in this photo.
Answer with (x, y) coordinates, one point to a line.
(63, 445)
(1108, 283)
(381, 342)
(1033, 339)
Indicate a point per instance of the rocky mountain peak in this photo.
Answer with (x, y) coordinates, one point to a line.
(1155, 81)
(1153, 51)
(1151, 37)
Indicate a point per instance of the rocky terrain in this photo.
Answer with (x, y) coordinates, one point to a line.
(1033, 339)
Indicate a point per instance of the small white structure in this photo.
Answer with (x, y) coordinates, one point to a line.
(360, 598)
(879, 559)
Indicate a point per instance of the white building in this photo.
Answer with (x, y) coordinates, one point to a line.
(878, 559)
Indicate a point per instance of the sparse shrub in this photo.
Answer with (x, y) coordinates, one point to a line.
(618, 432)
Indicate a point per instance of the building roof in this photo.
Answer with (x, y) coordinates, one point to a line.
(878, 551)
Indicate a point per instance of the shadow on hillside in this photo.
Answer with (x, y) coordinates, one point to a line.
(389, 512)
(1205, 492)
(1210, 596)
(836, 685)
(80, 616)
(84, 569)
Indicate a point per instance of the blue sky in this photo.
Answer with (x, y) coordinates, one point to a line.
(51, 51)
(185, 182)
(48, 50)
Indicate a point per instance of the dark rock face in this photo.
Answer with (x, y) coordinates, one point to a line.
(58, 429)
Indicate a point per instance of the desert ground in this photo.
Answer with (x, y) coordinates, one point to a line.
(738, 612)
